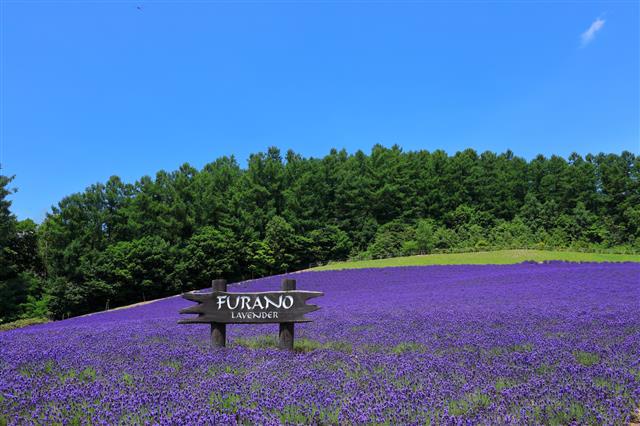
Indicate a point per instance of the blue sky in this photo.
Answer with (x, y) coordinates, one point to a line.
(93, 89)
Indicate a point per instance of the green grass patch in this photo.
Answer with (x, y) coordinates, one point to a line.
(504, 383)
(545, 369)
(527, 347)
(293, 414)
(356, 373)
(475, 400)
(306, 345)
(49, 366)
(157, 340)
(405, 347)
(26, 372)
(34, 370)
(373, 348)
(339, 346)
(586, 358)
(127, 379)
(173, 364)
(263, 341)
(601, 382)
(497, 257)
(229, 402)
(557, 416)
(496, 351)
(480, 399)
(22, 323)
(217, 369)
(67, 375)
(329, 416)
(380, 370)
(88, 374)
(299, 345)
(236, 371)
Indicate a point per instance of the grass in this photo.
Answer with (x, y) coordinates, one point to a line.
(497, 257)
(545, 369)
(405, 347)
(22, 323)
(127, 379)
(503, 383)
(301, 344)
(229, 402)
(586, 358)
(293, 414)
(475, 400)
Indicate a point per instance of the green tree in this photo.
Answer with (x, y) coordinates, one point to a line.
(13, 293)
(511, 234)
(329, 243)
(123, 242)
(209, 254)
(425, 236)
(7, 230)
(131, 271)
(389, 240)
(282, 242)
(260, 259)
(13, 289)
(26, 256)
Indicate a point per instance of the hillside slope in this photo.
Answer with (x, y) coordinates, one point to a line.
(551, 343)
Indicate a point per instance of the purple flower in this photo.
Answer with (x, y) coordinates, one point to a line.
(529, 343)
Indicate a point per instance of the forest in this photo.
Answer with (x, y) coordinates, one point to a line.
(119, 243)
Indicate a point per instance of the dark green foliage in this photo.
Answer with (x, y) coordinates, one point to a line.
(18, 258)
(329, 243)
(282, 243)
(140, 269)
(13, 292)
(511, 234)
(389, 240)
(118, 243)
(7, 231)
(425, 236)
(587, 358)
(210, 252)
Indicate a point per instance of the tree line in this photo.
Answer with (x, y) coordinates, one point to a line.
(118, 243)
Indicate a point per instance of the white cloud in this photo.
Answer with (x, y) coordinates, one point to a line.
(590, 34)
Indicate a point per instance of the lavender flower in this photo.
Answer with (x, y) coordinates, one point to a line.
(514, 344)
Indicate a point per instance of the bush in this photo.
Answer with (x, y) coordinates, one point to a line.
(425, 237)
(409, 248)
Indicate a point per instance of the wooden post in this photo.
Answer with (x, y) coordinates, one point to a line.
(286, 328)
(219, 330)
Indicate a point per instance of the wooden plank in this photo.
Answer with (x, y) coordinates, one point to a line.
(219, 330)
(286, 332)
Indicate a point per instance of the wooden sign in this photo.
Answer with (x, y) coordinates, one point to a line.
(220, 307)
(250, 308)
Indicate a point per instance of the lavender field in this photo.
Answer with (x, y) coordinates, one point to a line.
(552, 343)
